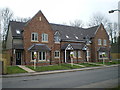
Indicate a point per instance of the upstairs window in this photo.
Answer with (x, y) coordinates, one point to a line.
(57, 37)
(44, 37)
(99, 42)
(34, 37)
(104, 42)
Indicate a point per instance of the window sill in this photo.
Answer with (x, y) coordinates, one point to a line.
(44, 41)
(42, 60)
(34, 41)
(32, 61)
(103, 58)
(57, 42)
(57, 57)
(79, 57)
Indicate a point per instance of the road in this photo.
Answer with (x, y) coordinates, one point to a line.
(105, 77)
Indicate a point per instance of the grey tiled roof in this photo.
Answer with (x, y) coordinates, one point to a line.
(67, 32)
(16, 26)
(17, 46)
(103, 49)
(75, 46)
(39, 47)
(74, 33)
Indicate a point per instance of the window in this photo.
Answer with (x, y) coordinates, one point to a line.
(34, 37)
(74, 53)
(76, 37)
(40, 18)
(57, 39)
(57, 54)
(101, 55)
(45, 37)
(88, 53)
(18, 31)
(79, 54)
(42, 55)
(104, 42)
(32, 55)
(99, 42)
(67, 36)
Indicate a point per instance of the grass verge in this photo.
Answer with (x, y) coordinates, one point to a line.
(14, 70)
(53, 67)
(109, 63)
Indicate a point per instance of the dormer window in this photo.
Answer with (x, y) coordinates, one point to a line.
(18, 31)
(57, 37)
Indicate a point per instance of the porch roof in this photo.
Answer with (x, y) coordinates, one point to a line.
(75, 46)
(17, 46)
(103, 49)
(39, 47)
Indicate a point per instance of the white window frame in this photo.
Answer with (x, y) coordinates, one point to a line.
(34, 36)
(79, 54)
(57, 39)
(44, 37)
(99, 41)
(100, 53)
(105, 42)
(74, 54)
(41, 56)
(58, 54)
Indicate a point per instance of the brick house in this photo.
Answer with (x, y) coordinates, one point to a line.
(53, 43)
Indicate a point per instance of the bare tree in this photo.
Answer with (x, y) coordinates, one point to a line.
(97, 19)
(77, 23)
(22, 19)
(112, 31)
(6, 16)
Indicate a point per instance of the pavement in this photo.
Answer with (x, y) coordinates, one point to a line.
(26, 68)
(56, 71)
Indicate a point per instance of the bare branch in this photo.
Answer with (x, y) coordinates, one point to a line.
(77, 23)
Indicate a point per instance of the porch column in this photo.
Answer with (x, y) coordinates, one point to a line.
(87, 56)
(65, 55)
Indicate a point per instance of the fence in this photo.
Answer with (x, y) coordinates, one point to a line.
(115, 55)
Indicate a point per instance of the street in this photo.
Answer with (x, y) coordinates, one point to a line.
(103, 78)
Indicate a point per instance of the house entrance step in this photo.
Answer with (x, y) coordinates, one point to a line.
(25, 68)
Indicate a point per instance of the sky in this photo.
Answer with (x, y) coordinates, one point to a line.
(62, 11)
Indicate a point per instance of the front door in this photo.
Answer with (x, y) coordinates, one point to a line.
(18, 58)
(68, 56)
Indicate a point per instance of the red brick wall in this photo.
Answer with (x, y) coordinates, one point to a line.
(100, 34)
(35, 25)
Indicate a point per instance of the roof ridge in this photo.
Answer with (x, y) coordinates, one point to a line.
(65, 25)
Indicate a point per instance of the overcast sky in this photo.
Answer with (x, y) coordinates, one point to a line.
(62, 11)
